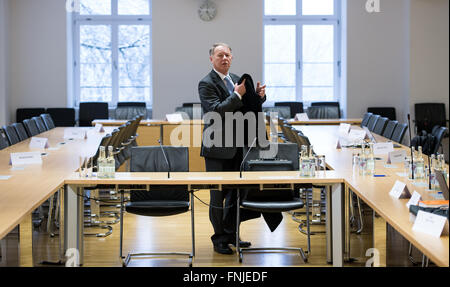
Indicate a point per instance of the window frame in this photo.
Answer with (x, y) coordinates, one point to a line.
(299, 20)
(114, 20)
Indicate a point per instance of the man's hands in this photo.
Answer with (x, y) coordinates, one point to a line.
(260, 90)
(240, 89)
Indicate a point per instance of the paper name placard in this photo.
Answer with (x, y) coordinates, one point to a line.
(301, 117)
(400, 190)
(39, 143)
(344, 128)
(99, 128)
(414, 199)
(357, 135)
(397, 156)
(174, 118)
(383, 148)
(75, 134)
(429, 223)
(25, 158)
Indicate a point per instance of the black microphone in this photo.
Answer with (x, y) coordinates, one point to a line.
(165, 157)
(245, 157)
(410, 140)
(429, 172)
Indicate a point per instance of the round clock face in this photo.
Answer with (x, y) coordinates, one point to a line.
(207, 11)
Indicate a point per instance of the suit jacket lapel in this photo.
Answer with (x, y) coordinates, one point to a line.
(218, 81)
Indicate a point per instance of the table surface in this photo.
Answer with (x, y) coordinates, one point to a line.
(27, 189)
(29, 186)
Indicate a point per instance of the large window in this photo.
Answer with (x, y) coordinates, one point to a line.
(112, 51)
(301, 50)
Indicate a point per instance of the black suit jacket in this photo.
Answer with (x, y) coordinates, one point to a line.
(214, 97)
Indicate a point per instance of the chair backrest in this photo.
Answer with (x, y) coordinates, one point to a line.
(128, 110)
(11, 134)
(301, 139)
(296, 107)
(439, 135)
(399, 133)
(332, 104)
(48, 121)
(151, 159)
(372, 122)
(283, 111)
(287, 132)
(365, 119)
(428, 115)
(20, 130)
(380, 125)
(3, 141)
(90, 111)
(323, 112)
(389, 130)
(285, 152)
(30, 127)
(28, 113)
(191, 104)
(186, 112)
(62, 117)
(40, 124)
(387, 112)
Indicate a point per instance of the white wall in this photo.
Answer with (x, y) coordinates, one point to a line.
(37, 38)
(181, 42)
(4, 103)
(429, 52)
(377, 57)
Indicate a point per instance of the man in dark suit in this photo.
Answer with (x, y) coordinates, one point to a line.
(220, 93)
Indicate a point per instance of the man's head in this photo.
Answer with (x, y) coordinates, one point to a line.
(220, 56)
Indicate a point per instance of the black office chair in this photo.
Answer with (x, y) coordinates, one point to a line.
(389, 130)
(20, 130)
(39, 123)
(62, 117)
(271, 201)
(428, 115)
(380, 125)
(332, 104)
(129, 110)
(439, 134)
(30, 127)
(48, 121)
(11, 134)
(365, 120)
(160, 200)
(386, 112)
(28, 113)
(283, 111)
(186, 112)
(372, 122)
(191, 104)
(296, 107)
(399, 132)
(3, 141)
(323, 112)
(90, 111)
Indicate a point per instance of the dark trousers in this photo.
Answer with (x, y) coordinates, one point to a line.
(222, 210)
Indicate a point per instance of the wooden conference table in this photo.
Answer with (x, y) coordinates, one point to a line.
(29, 186)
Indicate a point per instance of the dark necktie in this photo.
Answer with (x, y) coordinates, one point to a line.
(229, 85)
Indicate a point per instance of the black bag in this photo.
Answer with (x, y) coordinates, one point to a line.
(414, 209)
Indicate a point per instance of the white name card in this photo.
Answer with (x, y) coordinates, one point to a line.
(174, 118)
(99, 128)
(301, 117)
(414, 199)
(397, 156)
(75, 134)
(383, 148)
(25, 158)
(429, 223)
(357, 135)
(400, 190)
(39, 143)
(344, 128)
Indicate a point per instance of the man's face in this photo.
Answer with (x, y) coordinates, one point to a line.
(221, 59)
